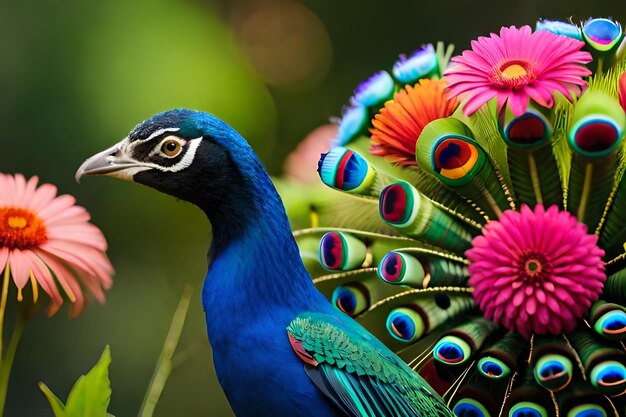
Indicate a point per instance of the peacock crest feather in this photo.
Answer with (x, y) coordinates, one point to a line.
(480, 227)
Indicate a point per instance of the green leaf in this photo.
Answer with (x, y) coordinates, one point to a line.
(91, 394)
(57, 406)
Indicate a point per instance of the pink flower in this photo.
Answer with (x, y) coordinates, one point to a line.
(301, 164)
(45, 240)
(536, 271)
(517, 66)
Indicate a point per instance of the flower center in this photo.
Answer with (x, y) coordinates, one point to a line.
(533, 266)
(513, 71)
(513, 74)
(21, 229)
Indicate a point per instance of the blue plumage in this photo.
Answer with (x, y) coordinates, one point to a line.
(257, 286)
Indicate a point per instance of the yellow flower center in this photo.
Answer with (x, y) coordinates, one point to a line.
(513, 74)
(513, 71)
(21, 229)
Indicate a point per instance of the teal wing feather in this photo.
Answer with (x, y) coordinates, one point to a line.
(358, 373)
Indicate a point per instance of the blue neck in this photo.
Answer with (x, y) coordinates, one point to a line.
(255, 267)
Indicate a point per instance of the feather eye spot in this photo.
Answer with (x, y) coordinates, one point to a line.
(602, 34)
(340, 251)
(398, 204)
(391, 269)
(529, 130)
(553, 372)
(402, 268)
(468, 407)
(452, 350)
(405, 324)
(587, 410)
(352, 299)
(454, 158)
(596, 136)
(344, 169)
(393, 203)
(493, 368)
(609, 377)
(331, 251)
(528, 409)
(612, 325)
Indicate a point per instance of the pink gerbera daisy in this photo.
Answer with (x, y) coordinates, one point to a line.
(47, 240)
(517, 66)
(536, 271)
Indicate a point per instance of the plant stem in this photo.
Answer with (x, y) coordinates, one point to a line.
(3, 305)
(164, 365)
(584, 199)
(7, 362)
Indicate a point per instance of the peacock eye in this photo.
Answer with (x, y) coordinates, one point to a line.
(171, 147)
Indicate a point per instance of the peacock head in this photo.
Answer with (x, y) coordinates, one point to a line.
(188, 154)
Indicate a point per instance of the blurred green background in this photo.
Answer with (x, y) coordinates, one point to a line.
(76, 76)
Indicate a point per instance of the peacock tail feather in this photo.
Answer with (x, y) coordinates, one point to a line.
(477, 223)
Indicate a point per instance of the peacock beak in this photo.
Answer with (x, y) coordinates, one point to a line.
(113, 162)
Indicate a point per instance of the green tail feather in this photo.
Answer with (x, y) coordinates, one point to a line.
(595, 136)
(532, 165)
(608, 320)
(414, 215)
(484, 126)
(527, 398)
(479, 393)
(458, 345)
(602, 361)
(365, 277)
(447, 150)
(590, 185)
(552, 361)
(613, 232)
(350, 212)
(459, 302)
(422, 180)
(499, 360)
(579, 397)
(421, 268)
(615, 287)
(535, 177)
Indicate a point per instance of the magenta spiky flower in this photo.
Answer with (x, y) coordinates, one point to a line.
(517, 66)
(536, 271)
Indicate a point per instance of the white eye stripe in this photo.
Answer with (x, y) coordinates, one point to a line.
(188, 157)
(124, 155)
(185, 161)
(158, 133)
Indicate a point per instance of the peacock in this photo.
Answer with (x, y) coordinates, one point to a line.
(478, 228)
(279, 346)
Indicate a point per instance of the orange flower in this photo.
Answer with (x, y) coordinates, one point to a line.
(400, 122)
